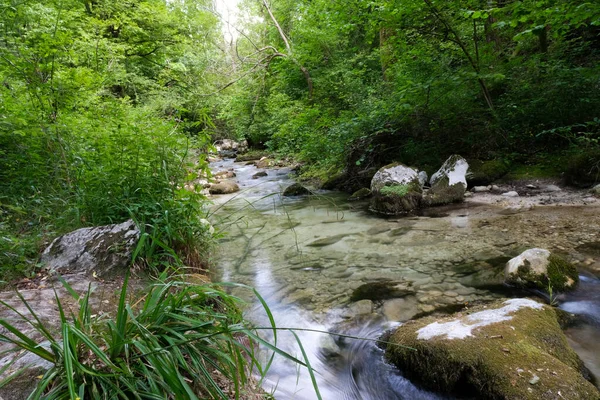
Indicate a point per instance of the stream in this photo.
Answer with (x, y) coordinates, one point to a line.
(324, 264)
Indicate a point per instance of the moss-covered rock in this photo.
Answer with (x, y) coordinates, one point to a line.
(483, 173)
(584, 169)
(512, 349)
(538, 268)
(396, 189)
(252, 155)
(360, 194)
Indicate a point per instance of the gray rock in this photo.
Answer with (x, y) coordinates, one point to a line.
(510, 194)
(361, 307)
(481, 189)
(449, 183)
(596, 190)
(422, 178)
(224, 187)
(101, 249)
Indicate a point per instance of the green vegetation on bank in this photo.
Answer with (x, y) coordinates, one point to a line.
(358, 84)
(101, 111)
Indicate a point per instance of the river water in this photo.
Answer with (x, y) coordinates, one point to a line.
(324, 264)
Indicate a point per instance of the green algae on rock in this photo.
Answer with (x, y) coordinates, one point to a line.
(493, 352)
(360, 194)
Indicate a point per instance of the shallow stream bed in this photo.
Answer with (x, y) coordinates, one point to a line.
(326, 264)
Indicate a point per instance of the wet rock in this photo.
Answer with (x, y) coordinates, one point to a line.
(396, 190)
(378, 229)
(296, 189)
(224, 187)
(360, 307)
(400, 310)
(596, 190)
(381, 290)
(360, 194)
(251, 156)
(264, 162)
(540, 269)
(481, 189)
(510, 194)
(224, 174)
(327, 241)
(449, 183)
(102, 249)
(259, 175)
(592, 248)
(491, 352)
(328, 348)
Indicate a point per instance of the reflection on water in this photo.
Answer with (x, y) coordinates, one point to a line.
(311, 258)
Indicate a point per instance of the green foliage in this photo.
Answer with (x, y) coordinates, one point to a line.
(416, 81)
(100, 109)
(175, 345)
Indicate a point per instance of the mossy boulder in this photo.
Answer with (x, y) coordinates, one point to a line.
(252, 155)
(584, 169)
(538, 268)
(509, 349)
(483, 173)
(360, 194)
(296, 189)
(396, 189)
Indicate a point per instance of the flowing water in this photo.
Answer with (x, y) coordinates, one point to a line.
(324, 264)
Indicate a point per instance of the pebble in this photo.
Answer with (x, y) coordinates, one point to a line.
(450, 294)
(534, 380)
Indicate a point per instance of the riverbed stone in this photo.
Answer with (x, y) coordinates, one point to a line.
(259, 174)
(380, 290)
(101, 250)
(492, 351)
(224, 187)
(327, 241)
(540, 269)
(296, 189)
(400, 310)
(224, 174)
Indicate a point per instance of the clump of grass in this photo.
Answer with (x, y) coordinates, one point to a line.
(397, 190)
(180, 341)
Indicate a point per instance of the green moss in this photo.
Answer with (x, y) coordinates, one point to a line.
(562, 275)
(443, 193)
(396, 190)
(498, 361)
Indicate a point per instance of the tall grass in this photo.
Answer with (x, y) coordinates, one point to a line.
(179, 341)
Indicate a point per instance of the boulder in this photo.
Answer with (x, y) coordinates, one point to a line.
(251, 156)
(224, 187)
(264, 162)
(296, 189)
(596, 190)
(510, 349)
(224, 174)
(396, 189)
(101, 250)
(512, 193)
(259, 174)
(449, 183)
(538, 268)
(360, 194)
